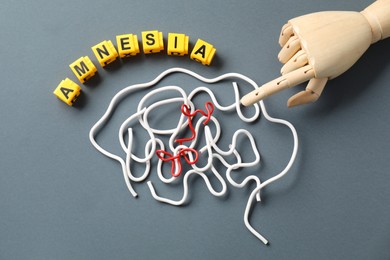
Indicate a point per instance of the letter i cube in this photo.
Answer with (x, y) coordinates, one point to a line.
(177, 44)
(203, 52)
(127, 45)
(152, 41)
(105, 52)
(67, 91)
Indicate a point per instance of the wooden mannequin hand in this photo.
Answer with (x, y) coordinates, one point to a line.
(321, 46)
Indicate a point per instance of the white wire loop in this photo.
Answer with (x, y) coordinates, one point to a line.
(211, 150)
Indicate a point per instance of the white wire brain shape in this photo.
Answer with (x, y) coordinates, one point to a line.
(183, 155)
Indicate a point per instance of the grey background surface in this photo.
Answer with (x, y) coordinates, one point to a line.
(61, 199)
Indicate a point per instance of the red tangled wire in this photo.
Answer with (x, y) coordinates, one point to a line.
(183, 152)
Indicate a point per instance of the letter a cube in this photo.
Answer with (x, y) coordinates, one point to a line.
(203, 52)
(67, 91)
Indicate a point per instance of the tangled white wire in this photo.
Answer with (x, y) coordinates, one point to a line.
(211, 140)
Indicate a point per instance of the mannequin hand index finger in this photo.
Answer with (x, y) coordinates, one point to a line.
(288, 80)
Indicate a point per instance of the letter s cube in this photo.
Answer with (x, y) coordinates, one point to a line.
(152, 41)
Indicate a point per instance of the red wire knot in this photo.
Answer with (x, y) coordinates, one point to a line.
(173, 158)
(185, 109)
(187, 112)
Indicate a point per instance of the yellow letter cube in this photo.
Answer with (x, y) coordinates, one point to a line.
(105, 52)
(67, 91)
(83, 68)
(203, 52)
(177, 44)
(127, 45)
(152, 41)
